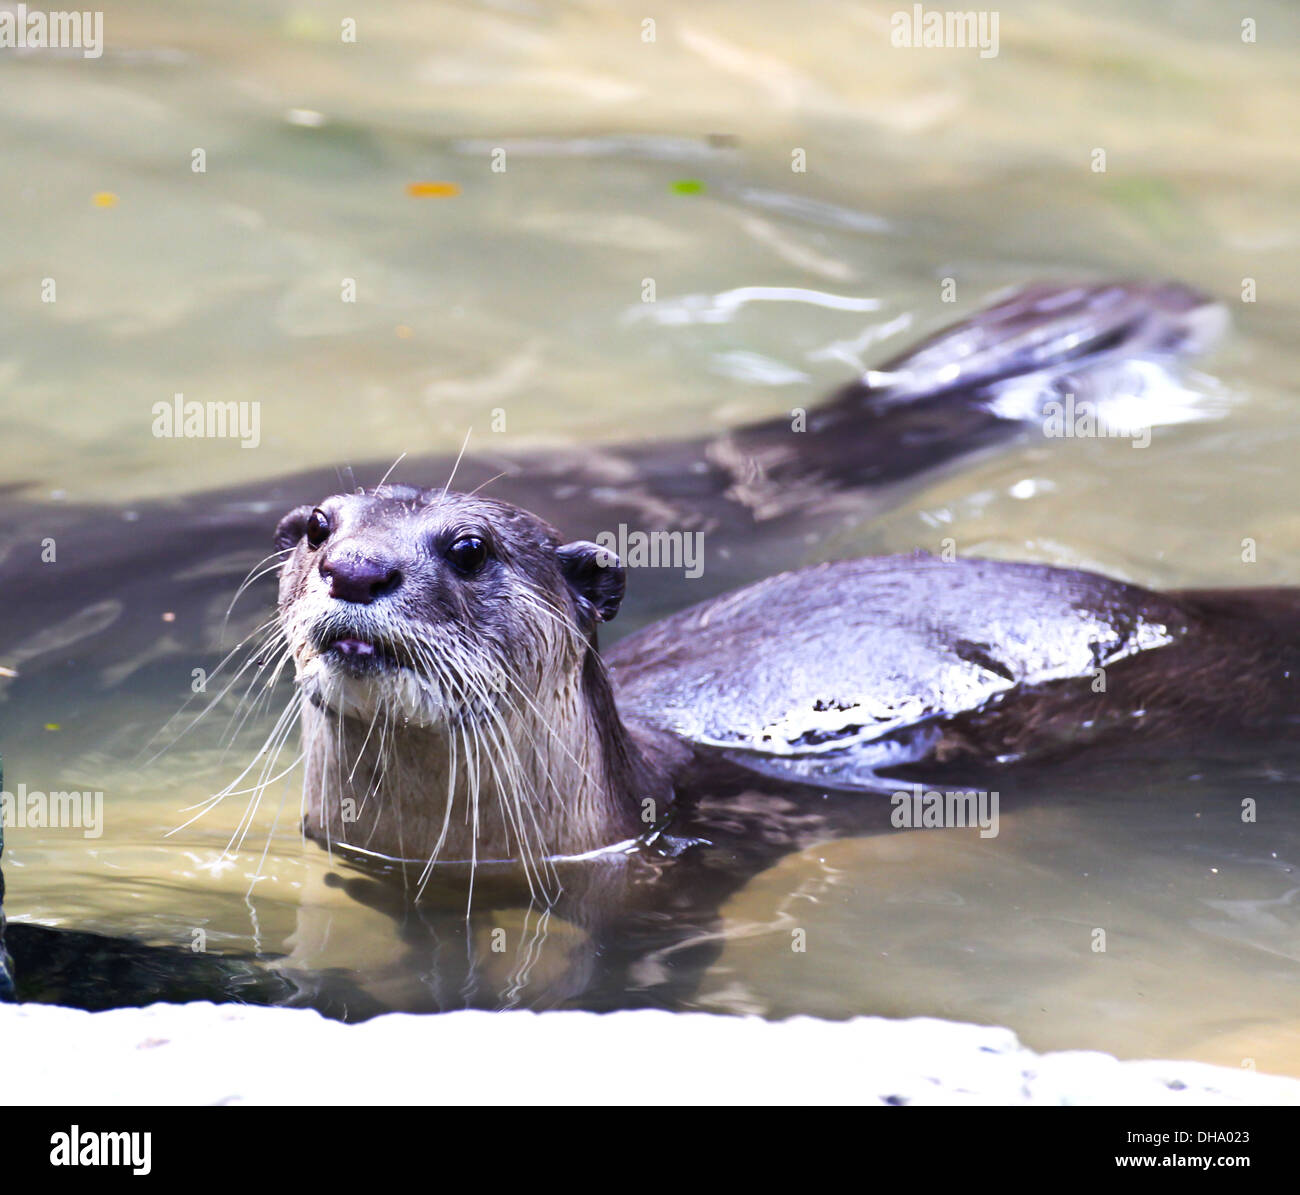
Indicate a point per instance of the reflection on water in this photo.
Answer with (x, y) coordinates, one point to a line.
(524, 292)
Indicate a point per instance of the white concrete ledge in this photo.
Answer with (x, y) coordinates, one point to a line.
(237, 1054)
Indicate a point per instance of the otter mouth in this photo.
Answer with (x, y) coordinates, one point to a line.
(360, 654)
(353, 668)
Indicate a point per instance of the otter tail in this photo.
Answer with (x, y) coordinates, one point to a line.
(1110, 350)
(1045, 332)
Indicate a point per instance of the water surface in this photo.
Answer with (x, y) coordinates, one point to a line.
(522, 293)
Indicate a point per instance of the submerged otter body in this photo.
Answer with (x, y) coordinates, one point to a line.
(456, 706)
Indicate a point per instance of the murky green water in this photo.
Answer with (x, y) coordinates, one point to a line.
(522, 292)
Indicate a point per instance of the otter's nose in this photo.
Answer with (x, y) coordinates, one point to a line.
(355, 578)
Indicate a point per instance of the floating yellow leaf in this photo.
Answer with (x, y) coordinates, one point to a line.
(432, 190)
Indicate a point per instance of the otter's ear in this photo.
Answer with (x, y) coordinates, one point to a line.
(292, 527)
(596, 575)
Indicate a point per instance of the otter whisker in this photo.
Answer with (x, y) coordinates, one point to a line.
(473, 736)
(289, 720)
(483, 485)
(285, 720)
(270, 834)
(270, 749)
(427, 873)
(250, 579)
(377, 769)
(251, 762)
(502, 757)
(555, 734)
(254, 653)
(366, 742)
(509, 791)
(513, 786)
(383, 480)
(250, 810)
(516, 806)
(252, 708)
(456, 464)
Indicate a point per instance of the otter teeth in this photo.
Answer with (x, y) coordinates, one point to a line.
(353, 647)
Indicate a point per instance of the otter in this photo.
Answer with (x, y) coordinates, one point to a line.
(762, 492)
(612, 749)
(455, 704)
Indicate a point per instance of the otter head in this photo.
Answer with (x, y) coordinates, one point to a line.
(427, 609)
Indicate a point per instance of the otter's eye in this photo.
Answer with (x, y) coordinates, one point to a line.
(468, 554)
(318, 528)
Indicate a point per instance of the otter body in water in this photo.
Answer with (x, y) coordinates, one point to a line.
(455, 705)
